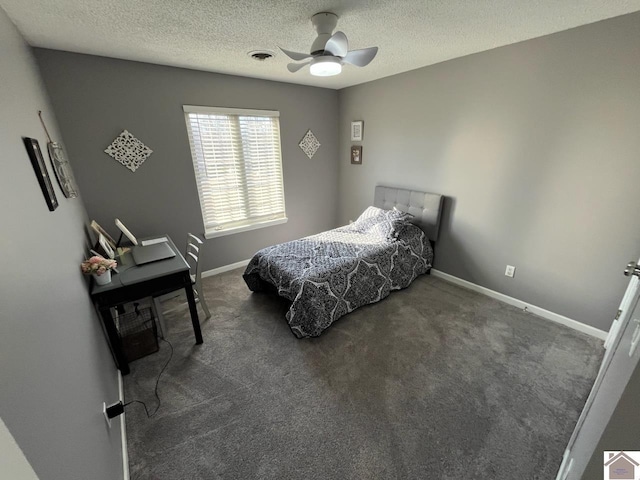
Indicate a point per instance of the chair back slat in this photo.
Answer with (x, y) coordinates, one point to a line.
(193, 255)
(191, 237)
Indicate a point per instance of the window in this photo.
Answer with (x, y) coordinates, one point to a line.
(238, 167)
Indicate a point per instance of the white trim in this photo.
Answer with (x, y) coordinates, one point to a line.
(565, 467)
(230, 111)
(13, 462)
(123, 431)
(541, 312)
(254, 226)
(226, 268)
(613, 333)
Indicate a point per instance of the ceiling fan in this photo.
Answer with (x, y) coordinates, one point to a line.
(329, 52)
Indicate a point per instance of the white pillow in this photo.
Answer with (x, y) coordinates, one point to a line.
(370, 212)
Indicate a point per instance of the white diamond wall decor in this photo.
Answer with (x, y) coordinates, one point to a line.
(309, 144)
(128, 150)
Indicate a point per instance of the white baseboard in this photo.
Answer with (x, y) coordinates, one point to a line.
(226, 268)
(123, 431)
(541, 312)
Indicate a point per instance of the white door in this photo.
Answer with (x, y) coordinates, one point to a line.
(620, 360)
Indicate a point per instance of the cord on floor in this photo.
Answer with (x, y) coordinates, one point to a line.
(149, 415)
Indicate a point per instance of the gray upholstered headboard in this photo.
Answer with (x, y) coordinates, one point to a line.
(426, 208)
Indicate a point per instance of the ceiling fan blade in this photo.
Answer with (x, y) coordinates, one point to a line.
(295, 55)
(361, 58)
(337, 45)
(294, 67)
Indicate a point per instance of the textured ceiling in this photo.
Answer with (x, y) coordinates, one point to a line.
(216, 35)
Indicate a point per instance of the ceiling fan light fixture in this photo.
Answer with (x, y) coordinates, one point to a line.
(325, 66)
(329, 51)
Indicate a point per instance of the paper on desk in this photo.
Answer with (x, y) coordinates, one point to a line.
(153, 241)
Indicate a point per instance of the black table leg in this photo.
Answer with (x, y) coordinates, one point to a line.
(194, 312)
(114, 340)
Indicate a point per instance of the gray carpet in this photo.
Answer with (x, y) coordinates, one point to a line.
(434, 382)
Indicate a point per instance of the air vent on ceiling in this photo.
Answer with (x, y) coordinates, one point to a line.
(261, 55)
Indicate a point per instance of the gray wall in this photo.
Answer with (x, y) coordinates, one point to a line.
(55, 366)
(537, 147)
(95, 98)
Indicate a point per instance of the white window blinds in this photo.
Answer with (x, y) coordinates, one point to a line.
(238, 167)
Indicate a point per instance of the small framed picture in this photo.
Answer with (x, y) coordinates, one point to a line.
(356, 131)
(104, 245)
(356, 154)
(101, 231)
(35, 155)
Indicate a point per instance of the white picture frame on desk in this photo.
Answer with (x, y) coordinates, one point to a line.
(101, 231)
(104, 244)
(126, 232)
(356, 130)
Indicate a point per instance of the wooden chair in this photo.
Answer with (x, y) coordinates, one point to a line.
(192, 256)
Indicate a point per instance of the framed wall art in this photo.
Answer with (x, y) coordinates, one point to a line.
(40, 169)
(356, 154)
(62, 169)
(356, 131)
(60, 165)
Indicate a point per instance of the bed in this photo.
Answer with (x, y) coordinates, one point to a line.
(328, 275)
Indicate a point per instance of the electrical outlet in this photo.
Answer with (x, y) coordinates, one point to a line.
(510, 271)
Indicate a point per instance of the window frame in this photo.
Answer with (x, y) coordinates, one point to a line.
(212, 232)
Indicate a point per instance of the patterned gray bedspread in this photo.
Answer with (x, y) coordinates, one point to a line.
(331, 274)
